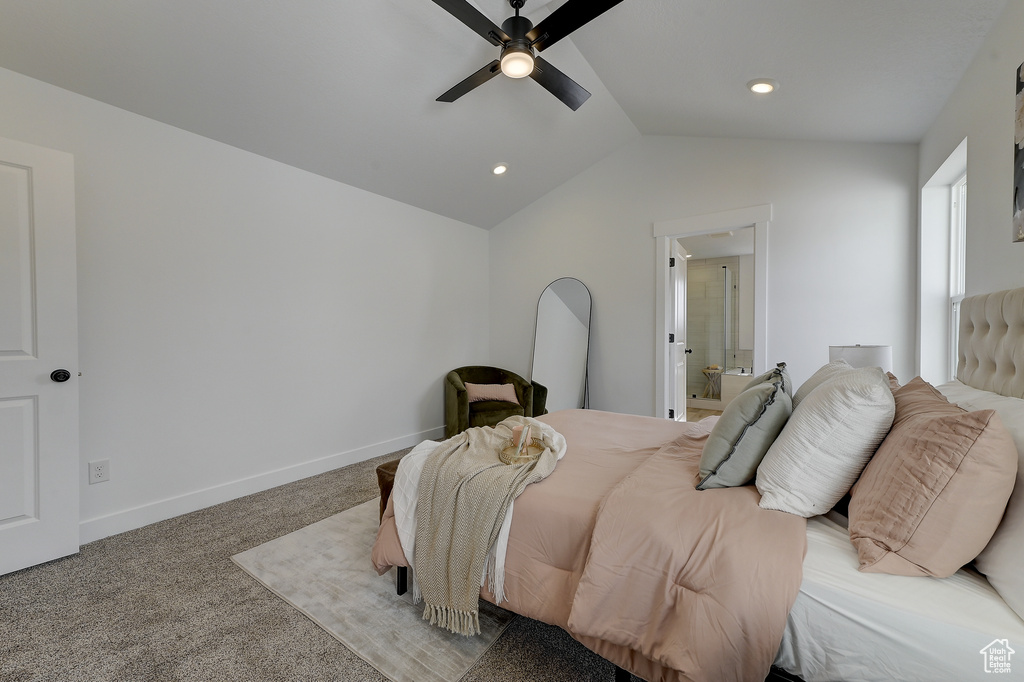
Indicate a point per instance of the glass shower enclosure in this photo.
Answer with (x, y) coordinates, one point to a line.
(711, 319)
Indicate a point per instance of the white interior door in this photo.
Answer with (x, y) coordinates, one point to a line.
(38, 335)
(677, 275)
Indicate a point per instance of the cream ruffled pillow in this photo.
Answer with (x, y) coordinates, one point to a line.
(826, 443)
(818, 378)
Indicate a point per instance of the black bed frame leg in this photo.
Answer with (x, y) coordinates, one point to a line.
(402, 582)
(622, 675)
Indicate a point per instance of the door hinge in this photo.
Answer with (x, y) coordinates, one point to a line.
(671, 414)
(672, 262)
(671, 338)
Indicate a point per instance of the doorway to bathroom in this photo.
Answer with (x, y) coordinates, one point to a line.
(719, 316)
(670, 401)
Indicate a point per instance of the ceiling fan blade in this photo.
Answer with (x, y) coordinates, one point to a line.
(479, 78)
(558, 84)
(566, 19)
(472, 17)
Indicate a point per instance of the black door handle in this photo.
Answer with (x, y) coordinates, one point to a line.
(60, 375)
(688, 350)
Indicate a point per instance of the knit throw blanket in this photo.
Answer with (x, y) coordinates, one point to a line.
(465, 491)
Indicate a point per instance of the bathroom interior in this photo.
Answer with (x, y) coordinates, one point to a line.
(719, 317)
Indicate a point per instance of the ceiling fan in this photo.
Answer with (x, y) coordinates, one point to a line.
(519, 40)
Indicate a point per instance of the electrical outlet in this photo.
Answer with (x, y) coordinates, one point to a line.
(99, 471)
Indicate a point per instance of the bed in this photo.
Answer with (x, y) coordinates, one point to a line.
(763, 586)
(850, 625)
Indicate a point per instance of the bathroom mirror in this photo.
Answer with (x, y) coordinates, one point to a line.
(562, 343)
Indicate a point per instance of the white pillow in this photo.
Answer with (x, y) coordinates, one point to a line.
(1002, 560)
(818, 378)
(826, 443)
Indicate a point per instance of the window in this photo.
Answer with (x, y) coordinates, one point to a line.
(940, 266)
(957, 279)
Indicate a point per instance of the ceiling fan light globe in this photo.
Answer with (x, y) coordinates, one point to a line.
(516, 63)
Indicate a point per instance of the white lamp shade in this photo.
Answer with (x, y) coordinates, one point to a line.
(863, 356)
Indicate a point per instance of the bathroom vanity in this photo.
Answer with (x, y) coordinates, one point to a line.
(733, 382)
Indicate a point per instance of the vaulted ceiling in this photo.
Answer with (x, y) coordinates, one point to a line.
(346, 88)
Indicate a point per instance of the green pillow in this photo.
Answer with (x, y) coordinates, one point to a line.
(747, 428)
(780, 373)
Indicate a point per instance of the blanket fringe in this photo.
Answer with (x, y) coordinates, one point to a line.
(460, 622)
(495, 577)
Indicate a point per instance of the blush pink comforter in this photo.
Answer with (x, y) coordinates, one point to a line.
(619, 548)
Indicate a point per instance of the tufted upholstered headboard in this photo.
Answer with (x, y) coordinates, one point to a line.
(991, 352)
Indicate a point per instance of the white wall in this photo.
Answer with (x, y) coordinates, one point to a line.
(243, 323)
(981, 109)
(841, 262)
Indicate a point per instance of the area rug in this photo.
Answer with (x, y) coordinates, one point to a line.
(324, 571)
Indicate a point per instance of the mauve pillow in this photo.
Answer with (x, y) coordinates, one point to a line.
(933, 495)
(504, 392)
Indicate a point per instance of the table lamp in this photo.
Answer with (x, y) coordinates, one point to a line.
(863, 356)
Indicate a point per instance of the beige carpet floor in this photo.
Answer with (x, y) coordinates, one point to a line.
(165, 602)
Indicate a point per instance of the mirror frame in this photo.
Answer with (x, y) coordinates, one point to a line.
(586, 364)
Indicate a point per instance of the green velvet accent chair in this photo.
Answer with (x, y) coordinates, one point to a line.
(460, 414)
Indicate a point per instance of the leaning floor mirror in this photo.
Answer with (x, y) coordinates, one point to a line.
(562, 344)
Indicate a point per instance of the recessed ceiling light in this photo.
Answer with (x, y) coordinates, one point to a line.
(762, 86)
(500, 169)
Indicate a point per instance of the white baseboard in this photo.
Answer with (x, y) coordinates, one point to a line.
(160, 510)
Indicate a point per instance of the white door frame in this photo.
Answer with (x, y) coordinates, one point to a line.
(664, 232)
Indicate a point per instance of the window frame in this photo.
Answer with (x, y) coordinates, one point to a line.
(957, 265)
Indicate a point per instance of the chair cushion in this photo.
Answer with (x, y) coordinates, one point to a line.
(492, 412)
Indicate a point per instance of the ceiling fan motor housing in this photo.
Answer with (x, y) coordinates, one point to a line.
(519, 46)
(516, 27)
